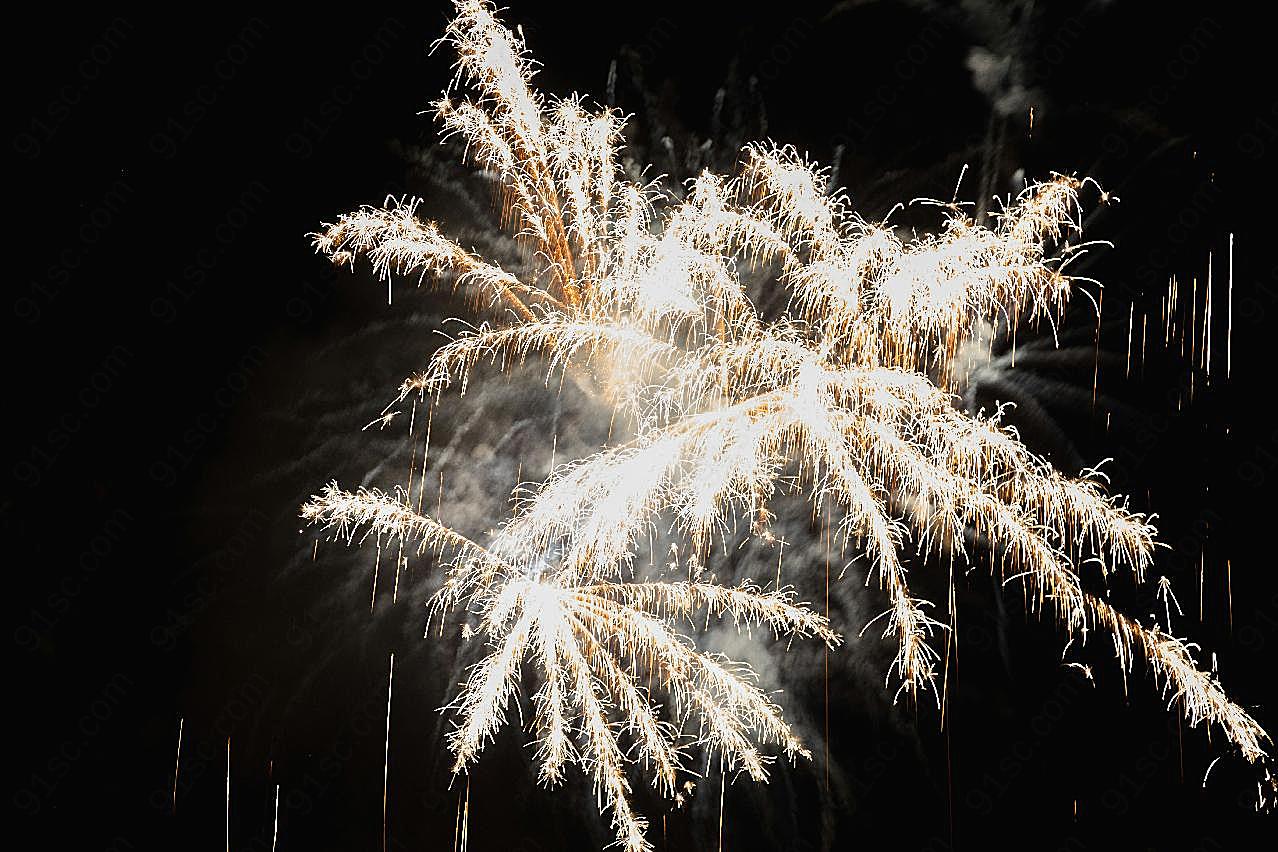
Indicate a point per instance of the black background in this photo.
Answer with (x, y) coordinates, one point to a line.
(167, 170)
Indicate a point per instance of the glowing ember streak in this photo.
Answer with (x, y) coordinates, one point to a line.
(228, 794)
(177, 763)
(1229, 327)
(1229, 591)
(643, 297)
(1207, 323)
(275, 828)
(377, 567)
(390, 683)
(1131, 324)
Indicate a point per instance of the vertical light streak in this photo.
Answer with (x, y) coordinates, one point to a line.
(723, 786)
(228, 794)
(826, 651)
(1207, 323)
(1229, 592)
(1202, 582)
(1100, 305)
(457, 823)
(1131, 322)
(177, 763)
(1194, 339)
(1229, 328)
(390, 684)
(465, 820)
(421, 487)
(275, 823)
(1144, 339)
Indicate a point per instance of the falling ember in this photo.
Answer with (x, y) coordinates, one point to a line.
(275, 825)
(461, 836)
(1229, 326)
(228, 794)
(390, 683)
(825, 654)
(377, 567)
(1206, 363)
(723, 784)
(1131, 321)
(1229, 592)
(1193, 323)
(1210, 767)
(457, 825)
(1100, 303)
(421, 486)
(1144, 320)
(1192, 327)
(641, 297)
(1180, 749)
(1202, 582)
(177, 763)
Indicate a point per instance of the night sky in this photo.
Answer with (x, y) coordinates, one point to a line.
(179, 356)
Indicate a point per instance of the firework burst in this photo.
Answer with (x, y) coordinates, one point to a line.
(845, 397)
(594, 643)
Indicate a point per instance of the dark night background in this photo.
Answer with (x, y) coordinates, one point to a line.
(170, 329)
